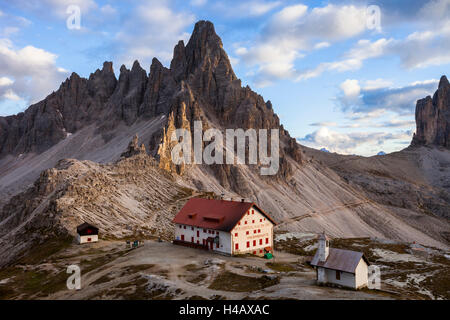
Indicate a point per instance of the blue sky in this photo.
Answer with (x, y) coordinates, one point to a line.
(337, 78)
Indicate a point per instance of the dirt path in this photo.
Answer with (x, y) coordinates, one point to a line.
(325, 212)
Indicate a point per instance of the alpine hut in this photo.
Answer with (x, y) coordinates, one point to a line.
(223, 226)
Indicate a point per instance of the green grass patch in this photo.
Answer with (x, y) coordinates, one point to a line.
(31, 283)
(228, 281)
(281, 267)
(40, 253)
(198, 278)
(192, 267)
(294, 246)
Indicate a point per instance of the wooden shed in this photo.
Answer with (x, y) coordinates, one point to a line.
(87, 233)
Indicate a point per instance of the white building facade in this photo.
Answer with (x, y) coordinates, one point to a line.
(87, 239)
(227, 227)
(252, 234)
(200, 236)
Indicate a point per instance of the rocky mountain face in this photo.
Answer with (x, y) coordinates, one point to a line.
(200, 85)
(433, 118)
(209, 91)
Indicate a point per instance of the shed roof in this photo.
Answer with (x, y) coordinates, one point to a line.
(214, 214)
(84, 226)
(339, 259)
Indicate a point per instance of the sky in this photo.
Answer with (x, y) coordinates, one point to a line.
(341, 75)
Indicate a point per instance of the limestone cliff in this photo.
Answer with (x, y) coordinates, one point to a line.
(433, 118)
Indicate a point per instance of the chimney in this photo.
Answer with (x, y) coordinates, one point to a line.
(242, 200)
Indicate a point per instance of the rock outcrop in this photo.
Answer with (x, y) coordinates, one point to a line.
(433, 118)
(134, 148)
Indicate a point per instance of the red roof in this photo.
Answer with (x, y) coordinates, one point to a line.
(214, 214)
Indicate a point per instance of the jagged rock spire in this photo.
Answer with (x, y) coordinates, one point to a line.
(134, 148)
(204, 51)
(443, 82)
(433, 118)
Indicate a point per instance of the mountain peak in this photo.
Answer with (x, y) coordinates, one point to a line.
(108, 66)
(204, 51)
(136, 65)
(444, 82)
(204, 27)
(204, 36)
(433, 118)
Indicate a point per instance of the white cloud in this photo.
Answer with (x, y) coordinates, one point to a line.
(33, 69)
(252, 8)
(151, 32)
(377, 84)
(392, 123)
(324, 124)
(321, 45)
(368, 122)
(340, 66)
(365, 49)
(258, 8)
(5, 81)
(379, 95)
(418, 50)
(295, 30)
(56, 8)
(351, 143)
(396, 123)
(11, 95)
(423, 49)
(288, 16)
(351, 88)
(94, 17)
(336, 22)
(366, 115)
(353, 60)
